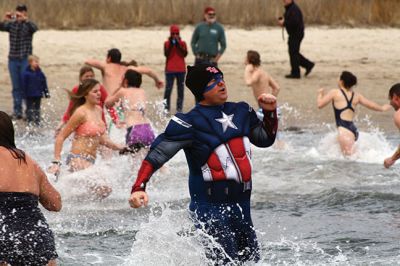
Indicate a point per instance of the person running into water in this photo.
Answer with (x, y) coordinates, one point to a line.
(25, 236)
(215, 136)
(344, 100)
(394, 97)
(90, 132)
(113, 71)
(86, 72)
(260, 82)
(133, 100)
(258, 79)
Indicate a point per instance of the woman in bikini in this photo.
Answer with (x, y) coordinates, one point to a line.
(344, 100)
(133, 99)
(90, 132)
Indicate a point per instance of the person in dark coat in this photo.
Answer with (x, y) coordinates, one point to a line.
(293, 22)
(34, 87)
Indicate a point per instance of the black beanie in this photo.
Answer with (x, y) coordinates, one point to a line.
(198, 77)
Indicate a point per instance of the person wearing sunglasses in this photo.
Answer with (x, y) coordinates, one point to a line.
(215, 136)
(208, 39)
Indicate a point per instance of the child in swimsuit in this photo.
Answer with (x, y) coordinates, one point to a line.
(344, 100)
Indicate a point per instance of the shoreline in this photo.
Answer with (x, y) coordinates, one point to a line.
(368, 53)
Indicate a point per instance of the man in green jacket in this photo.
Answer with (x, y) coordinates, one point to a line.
(208, 40)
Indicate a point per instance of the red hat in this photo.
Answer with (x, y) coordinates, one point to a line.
(174, 29)
(208, 9)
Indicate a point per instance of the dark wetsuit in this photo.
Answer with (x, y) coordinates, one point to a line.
(344, 123)
(25, 236)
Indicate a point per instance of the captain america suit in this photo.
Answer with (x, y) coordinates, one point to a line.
(217, 144)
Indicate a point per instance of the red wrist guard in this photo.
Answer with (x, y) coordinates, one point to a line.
(144, 174)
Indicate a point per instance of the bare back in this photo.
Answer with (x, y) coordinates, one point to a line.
(134, 104)
(260, 81)
(340, 102)
(16, 177)
(112, 76)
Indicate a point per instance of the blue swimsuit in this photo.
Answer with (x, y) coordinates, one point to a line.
(344, 123)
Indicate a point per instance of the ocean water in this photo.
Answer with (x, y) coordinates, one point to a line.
(310, 205)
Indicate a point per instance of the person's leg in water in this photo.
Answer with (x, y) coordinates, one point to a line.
(231, 227)
(79, 162)
(36, 111)
(29, 112)
(346, 140)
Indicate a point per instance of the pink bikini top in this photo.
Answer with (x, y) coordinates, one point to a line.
(90, 129)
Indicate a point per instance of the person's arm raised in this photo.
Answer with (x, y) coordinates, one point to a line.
(96, 64)
(372, 105)
(323, 99)
(148, 72)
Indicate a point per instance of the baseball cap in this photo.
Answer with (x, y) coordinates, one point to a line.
(209, 9)
(174, 29)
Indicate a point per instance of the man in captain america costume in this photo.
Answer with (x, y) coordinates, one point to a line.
(215, 136)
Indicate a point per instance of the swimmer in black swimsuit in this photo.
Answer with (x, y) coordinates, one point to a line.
(344, 100)
(344, 123)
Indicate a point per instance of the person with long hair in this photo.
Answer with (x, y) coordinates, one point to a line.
(90, 132)
(87, 72)
(344, 100)
(25, 236)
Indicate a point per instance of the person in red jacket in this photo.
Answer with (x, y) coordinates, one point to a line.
(86, 72)
(175, 51)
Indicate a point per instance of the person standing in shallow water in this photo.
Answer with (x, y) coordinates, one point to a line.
(215, 136)
(89, 133)
(394, 97)
(344, 100)
(25, 236)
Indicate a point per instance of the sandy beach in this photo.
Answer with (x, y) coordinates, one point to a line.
(370, 53)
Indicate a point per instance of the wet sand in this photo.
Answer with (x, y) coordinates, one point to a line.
(371, 54)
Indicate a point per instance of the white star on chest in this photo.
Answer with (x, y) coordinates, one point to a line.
(226, 121)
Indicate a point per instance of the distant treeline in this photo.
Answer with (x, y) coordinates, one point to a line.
(122, 14)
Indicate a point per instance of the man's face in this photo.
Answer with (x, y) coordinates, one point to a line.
(395, 102)
(217, 95)
(20, 15)
(210, 16)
